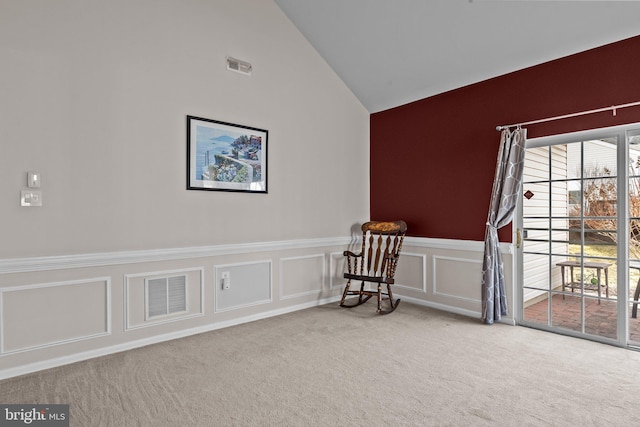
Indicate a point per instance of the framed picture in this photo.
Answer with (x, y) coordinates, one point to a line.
(225, 156)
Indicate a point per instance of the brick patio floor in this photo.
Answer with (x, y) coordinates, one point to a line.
(600, 319)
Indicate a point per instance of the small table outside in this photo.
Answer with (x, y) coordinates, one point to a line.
(598, 266)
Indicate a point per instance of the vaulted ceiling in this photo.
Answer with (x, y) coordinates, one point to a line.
(391, 52)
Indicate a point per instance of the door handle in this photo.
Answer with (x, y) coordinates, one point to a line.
(518, 238)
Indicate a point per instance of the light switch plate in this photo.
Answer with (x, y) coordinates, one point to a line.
(33, 179)
(226, 280)
(30, 198)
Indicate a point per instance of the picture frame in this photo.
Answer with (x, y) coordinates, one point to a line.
(225, 156)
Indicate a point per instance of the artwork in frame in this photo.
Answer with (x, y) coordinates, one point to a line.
(225, 156)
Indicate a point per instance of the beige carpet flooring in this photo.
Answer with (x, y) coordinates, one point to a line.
(328, 366)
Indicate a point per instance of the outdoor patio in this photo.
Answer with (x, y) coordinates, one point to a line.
(600, 319)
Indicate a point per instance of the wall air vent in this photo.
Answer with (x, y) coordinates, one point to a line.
(238, 66)
(166, 295)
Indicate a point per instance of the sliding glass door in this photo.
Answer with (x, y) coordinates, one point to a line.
(633, 227)
(579, 256)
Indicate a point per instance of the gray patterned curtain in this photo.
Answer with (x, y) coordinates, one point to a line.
(504, 198)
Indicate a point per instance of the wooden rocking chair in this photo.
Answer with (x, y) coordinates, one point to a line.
(376, 263)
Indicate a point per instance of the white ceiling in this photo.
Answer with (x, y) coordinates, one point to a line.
(391, 52)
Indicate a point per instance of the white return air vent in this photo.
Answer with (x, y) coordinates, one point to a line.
(165, 296)
(238, 66)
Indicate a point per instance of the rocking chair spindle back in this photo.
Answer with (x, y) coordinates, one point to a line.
(375, 263)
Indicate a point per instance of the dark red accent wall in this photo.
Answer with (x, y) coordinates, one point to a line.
(433, 160)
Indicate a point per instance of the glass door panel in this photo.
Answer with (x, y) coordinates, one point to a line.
(536, 236)
(634, 237)
(570, 229)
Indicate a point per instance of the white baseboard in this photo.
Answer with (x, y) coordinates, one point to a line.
(438, 306)
(78, 357)
(451, 309)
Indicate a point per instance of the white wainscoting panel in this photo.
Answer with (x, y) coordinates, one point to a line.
(457, 278)
(135, 301)
(43, 315)
(337, 268)
(411, 272)
(302, 275)
(250, 285)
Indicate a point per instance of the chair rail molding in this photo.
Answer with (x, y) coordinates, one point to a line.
(454, 244)
(58, 262)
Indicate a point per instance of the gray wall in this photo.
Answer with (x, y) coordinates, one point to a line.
(95, 96)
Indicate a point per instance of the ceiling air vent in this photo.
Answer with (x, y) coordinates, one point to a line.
(238, 66)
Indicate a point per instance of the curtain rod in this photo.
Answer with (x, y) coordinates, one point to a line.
(613, 108)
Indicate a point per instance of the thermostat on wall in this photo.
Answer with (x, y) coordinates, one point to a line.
(30, 198)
